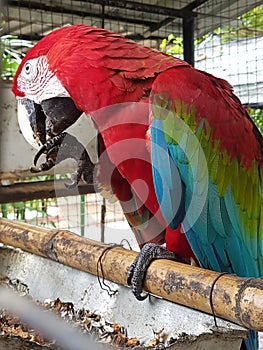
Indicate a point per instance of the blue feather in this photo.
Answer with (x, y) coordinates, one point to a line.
(168, 184)
(211, 225)
(210, 221)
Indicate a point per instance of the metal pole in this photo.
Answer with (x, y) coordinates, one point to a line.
(188, 37)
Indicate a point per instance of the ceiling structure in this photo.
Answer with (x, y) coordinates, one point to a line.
(139, 20)
(149, 22)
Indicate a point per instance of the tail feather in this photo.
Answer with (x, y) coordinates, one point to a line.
(251, 343)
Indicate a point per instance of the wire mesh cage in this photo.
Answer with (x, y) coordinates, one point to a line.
(224, 38)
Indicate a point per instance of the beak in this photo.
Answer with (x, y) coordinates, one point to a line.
(32, 121)
(50, 118)
(43, 125)
(61, 112)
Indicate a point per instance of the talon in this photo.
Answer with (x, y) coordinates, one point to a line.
(50, 145)
(137, 270)
(35, 170)
(85, 166)
(53, 150)
(43, 167)
(39, 153)
(61, 147)
(142, 297)
(130, 273)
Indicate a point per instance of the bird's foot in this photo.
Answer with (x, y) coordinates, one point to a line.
(137, 270)
(61, 147)
(50, 148)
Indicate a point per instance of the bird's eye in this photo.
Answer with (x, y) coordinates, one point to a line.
(29, 71)
(28, 68)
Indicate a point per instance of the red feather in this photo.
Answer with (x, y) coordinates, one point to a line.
(100, 69)
(214, 100)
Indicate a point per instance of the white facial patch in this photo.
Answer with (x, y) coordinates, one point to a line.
(25, 126)
(39, 83)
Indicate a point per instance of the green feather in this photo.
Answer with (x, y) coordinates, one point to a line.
(226, 173)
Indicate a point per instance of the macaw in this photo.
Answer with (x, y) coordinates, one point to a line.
(176, 146)
(43, 121)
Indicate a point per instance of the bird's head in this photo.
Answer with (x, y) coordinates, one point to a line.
(78, 69)
(45, 107)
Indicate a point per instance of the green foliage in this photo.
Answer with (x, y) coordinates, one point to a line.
(249, 24)
(253, 20)
(11, 49)
(257, 117)
(172, 45)
(11, 54)
(175, 46)
(10, 59)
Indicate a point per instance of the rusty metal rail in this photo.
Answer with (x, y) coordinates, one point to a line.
(236, 299)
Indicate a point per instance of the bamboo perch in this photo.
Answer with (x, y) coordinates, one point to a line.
(236, 299)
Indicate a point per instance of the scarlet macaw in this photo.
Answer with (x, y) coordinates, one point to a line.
(182, 131)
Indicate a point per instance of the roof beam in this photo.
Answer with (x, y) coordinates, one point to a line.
(193, 5)
(149, 8)
(34, 5)
(188, 8)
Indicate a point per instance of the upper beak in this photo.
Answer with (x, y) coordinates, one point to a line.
(32, 121)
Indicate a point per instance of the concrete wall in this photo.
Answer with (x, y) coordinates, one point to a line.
(190, 329)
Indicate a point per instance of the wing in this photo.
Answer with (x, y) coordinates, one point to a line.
(207, 169)
(124, 173)
(107, 67)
